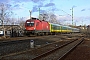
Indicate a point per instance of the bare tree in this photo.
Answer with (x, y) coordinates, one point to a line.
(52, 18)
(21, 22)
(5, 13)
(49, 16)
(44, 16)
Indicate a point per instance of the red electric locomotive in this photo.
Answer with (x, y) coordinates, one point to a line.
(35, 26)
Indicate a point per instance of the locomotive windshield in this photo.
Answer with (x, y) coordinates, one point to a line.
(30, 24)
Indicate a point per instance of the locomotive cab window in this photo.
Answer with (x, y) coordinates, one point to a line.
(30, 23)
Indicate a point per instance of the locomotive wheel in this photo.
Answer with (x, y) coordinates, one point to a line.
(46, 34)
(36, 34)
(42, 34)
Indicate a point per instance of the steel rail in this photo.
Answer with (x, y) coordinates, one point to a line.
(51, 51)
(61, 57)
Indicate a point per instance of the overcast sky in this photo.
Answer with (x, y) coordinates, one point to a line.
(61, 8)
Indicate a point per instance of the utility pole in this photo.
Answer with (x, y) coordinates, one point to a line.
(39, 13)
(30, 14)
(82, 22)
(72, 16)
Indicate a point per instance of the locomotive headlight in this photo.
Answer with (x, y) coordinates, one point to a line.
(34, 28)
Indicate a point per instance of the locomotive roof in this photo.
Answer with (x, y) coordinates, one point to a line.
(36, 19)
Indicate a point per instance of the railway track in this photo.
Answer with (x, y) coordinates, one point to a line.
(32, 53)
(29, 55)
(60, 52)
(36, 51)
